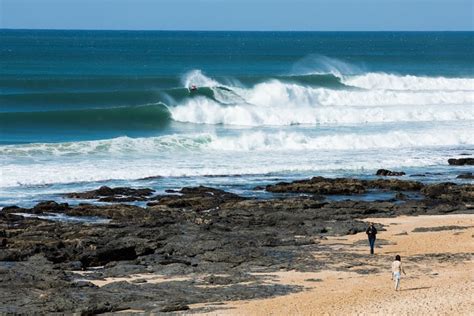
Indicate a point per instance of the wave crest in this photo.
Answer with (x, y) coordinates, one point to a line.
(383, 81)
(276, 103)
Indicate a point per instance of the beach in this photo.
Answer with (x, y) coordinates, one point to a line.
(439, 281)
(207, 251)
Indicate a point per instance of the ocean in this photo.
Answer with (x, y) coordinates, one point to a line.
(82, 109)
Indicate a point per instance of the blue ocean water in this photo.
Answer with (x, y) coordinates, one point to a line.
(79, 109)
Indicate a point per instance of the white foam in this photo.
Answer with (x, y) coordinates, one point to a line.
(275, 93)
(383, 81)
(196, 77)
(119, 145)
(385, 98)
(248, 141)
(296, 141)
(277, 104)
(319, 64)
(246, 152)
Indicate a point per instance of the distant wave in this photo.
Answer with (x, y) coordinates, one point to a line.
(143, 117)
(383, 81)
(19, 83)
(65, 99)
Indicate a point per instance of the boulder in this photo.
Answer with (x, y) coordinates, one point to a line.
(107, 194)
(388, 173)
(461, 161)
(320, 185)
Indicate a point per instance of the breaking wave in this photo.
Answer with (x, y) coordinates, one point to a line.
(374, 97)
(333, 93)
(248, 141)
(275, 103)
(382, 81)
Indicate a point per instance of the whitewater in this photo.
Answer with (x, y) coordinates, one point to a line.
(316, 115)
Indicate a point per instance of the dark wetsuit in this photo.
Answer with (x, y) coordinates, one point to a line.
(371, 233)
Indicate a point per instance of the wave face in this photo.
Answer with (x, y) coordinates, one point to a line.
(80, 107)
(277, 103)
(288, 100)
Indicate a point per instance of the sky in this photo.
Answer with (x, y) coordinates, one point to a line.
(260, 15)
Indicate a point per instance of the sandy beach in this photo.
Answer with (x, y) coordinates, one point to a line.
(212, 252)
(439, 278)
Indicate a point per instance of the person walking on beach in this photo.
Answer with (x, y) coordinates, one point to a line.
(397, 270)
(371, 233)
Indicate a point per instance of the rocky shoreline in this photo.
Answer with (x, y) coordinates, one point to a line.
(207, 236)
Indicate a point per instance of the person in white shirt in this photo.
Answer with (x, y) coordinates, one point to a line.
(397, 269)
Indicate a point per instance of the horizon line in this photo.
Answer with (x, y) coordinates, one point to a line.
(223, 30)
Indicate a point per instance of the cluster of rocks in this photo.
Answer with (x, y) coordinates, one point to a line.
(191, 232)
(343, 186)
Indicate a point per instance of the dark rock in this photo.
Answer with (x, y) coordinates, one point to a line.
(467, 175)
(74, 265)
(320, 185)
(342, 186)
(400, 196)
(198, 198)
(438, 228)
(388, 173)
(151, 178)
(174, 308)
(232, 279)
(139, 281)
(119, 212)
(119, 194)
(83, 283)
(11, 209)
(403, 233)
(113, 251)
(49, 206)
(449, 192)
(461, 161)
(394, 185)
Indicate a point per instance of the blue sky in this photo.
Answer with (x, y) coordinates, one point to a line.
(322, 15)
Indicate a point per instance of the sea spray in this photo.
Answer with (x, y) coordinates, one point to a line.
(82, 109)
